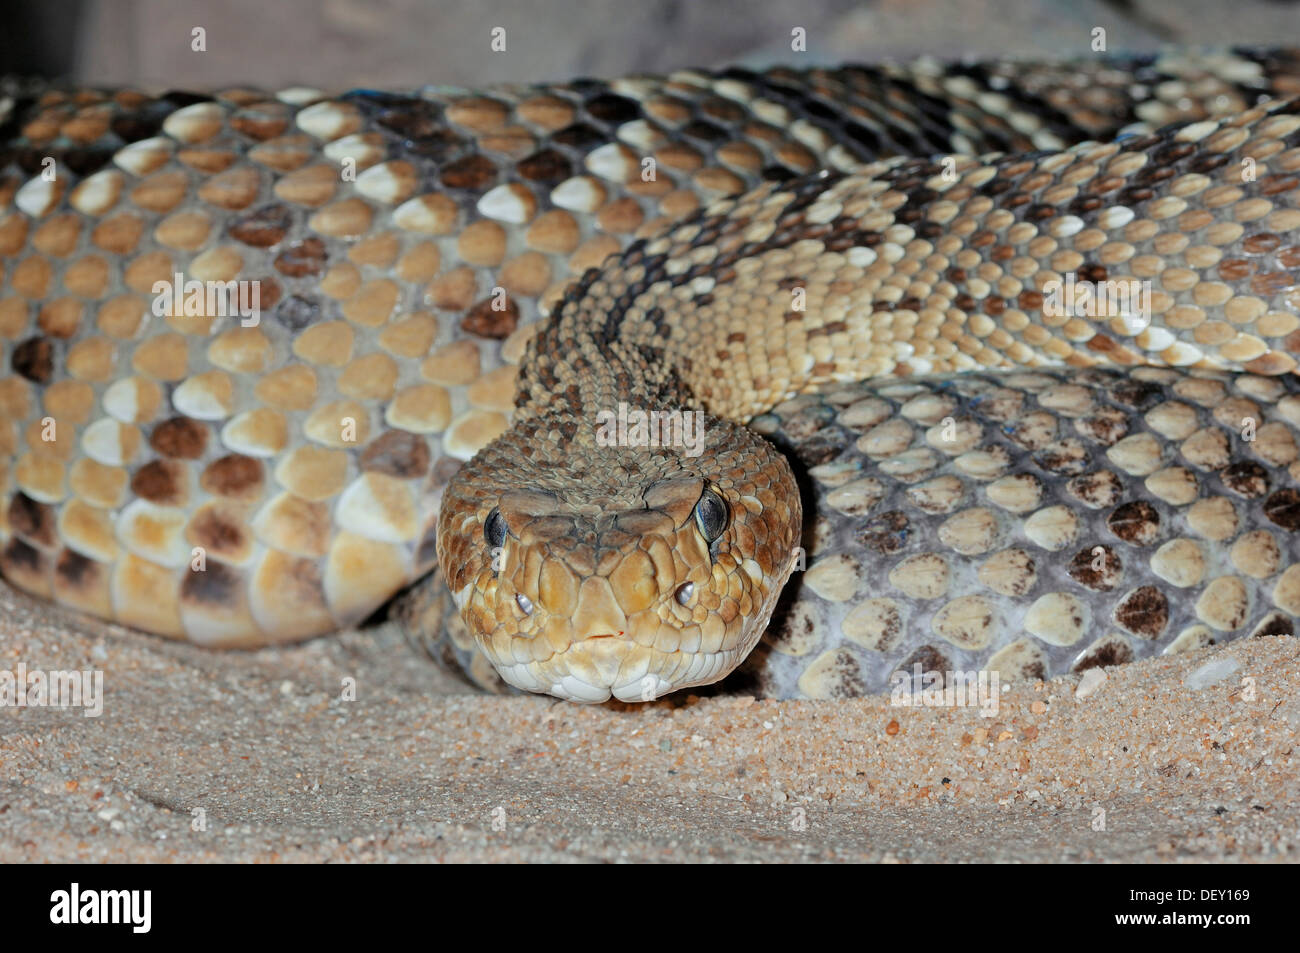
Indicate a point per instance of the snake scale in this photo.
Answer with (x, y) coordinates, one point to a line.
(844, 275)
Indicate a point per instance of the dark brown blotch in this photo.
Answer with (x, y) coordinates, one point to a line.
(1283, 508)
(1277, 184)
(473, 172)
(546, 165)
(34, 359)
(1275, 623)
(1261, 243)
(1207, 163)
(263, 227)
(165, 482)
(219, 531)
(1030, 300)
(235, 476)
(398, 454)
(1135, 394)
(1106, 427)
(259, 122)
(1063, 456)
(1235, 269)
(1113, 650)
(181, 437)
(488, 322)
(1272, 283)
(580, 136)
(1084, 570)
(1246, 478)
(77, 572)
(22, 560)
(33, 521)
(931, 659)
(301, 583)
(216, 586)
(1137, 523)
(1144, 612)
(886, 533)
(845, 678)
(1097, 490)
(821, 447)
(1171, 153)
(302, 259)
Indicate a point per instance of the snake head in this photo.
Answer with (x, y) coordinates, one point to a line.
(630, 572)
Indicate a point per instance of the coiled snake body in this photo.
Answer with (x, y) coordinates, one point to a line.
(992, 480)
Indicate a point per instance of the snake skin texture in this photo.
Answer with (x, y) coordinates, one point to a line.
(405, 244)
(1098, 517)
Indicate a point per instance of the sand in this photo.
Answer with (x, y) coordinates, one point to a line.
(203, 756)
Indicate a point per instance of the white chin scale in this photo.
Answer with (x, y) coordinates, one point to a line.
(573, 689)
(701, 669)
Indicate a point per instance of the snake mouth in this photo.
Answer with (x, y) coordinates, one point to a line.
(604, 666)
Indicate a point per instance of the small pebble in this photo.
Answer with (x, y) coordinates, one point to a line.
(1211, 673)
(1092, 680)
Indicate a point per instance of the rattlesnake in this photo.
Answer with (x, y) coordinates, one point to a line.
(1023, 509)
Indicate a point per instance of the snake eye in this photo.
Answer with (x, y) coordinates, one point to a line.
(711, 515)
(494, 529)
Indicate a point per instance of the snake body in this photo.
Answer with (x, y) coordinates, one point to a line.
(239, 486)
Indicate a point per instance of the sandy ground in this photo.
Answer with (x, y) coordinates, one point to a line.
(201, 756)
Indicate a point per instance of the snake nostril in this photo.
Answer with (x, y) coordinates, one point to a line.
(524, 603)
(684, 593)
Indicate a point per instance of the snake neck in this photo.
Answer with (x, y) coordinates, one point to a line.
(619, 343)
(578, 380)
